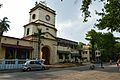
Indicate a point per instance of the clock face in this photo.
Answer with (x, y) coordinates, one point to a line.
(47, 17)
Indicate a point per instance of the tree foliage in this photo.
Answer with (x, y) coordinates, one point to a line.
(39, 35)
(102, 41)
(91, 36)
(80, 45)
(110, 15)
(4, 27)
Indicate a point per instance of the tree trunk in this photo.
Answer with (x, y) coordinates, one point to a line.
(38, 49)
(1, 33)
(39, 42)
(0, 45)
(93, 52)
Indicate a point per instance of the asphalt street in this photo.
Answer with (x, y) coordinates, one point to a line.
(109, 72)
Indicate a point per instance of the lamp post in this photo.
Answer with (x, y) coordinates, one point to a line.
(101, 62)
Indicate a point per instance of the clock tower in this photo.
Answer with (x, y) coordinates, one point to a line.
(42, 17)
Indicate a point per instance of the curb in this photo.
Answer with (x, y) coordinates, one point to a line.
(10, 70)
(48, 67)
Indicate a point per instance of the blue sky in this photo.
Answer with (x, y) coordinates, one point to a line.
(69, 21)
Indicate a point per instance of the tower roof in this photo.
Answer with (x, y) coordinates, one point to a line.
(43, 7)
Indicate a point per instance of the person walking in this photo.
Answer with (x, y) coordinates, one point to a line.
(110, 62)
(118, 64)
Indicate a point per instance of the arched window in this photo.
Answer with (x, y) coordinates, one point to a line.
(33, 16)
(28, 30)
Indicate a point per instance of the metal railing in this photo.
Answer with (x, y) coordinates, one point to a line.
(11, 63)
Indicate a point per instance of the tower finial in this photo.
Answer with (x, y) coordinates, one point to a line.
(43, 2)
(36, 3)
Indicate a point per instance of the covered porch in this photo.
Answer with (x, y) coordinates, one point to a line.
(67, 56)
(10, 51)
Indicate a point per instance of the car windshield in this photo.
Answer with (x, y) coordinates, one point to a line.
(27, 62)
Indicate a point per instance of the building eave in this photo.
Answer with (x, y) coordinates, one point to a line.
(43, 7)
(17, 38)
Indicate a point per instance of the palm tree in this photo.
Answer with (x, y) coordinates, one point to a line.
(4, 27)
(1, 5)
(39, 36)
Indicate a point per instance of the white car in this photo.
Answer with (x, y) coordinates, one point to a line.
(33, 65)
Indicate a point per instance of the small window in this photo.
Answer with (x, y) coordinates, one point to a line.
(47, 17)
(33, 16)
(83, 52)
(32, 62)
(98, 53)
(47, 28)
(46, 35)
(86, 52)
(37, 62)
(17, 42)
(60, 56)
(28, 29)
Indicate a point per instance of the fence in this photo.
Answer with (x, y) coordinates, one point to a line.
(11, 63)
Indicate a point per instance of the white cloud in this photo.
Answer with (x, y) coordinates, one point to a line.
(17, 12)
(69, 21)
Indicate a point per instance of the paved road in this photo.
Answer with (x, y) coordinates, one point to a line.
(74, 73)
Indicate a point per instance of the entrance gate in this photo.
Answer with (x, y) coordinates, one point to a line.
(46, 54)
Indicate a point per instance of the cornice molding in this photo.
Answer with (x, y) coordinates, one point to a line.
(37, 24)
(43, 7)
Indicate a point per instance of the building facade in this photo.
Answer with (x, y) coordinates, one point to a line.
(51, 47)
(67, 51)
(86, 53)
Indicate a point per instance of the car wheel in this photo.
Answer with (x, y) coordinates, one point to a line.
(23, 70)
(43, 68)
(29, 69)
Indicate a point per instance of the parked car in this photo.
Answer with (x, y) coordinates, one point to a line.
(33, 65)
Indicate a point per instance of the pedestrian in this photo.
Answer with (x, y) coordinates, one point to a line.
(110, 62)
(92, 67)
(118, 64)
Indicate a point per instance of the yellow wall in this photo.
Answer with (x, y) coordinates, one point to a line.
(2, 54)
(13, 41)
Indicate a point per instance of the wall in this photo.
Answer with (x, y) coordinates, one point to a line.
(13, 41)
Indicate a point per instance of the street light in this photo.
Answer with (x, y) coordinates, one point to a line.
(101, 62)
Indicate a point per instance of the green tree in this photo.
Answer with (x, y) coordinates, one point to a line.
(102, 41)
(117, 50)
(39, 35)
(4, 27)
(91, 36)
(110, 15)
(99, 40)
(80, 45)
(108, 45)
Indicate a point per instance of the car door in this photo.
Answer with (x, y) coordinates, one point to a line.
(32, 65)
(38, 65)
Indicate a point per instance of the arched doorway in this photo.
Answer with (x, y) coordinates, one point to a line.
(46, 54)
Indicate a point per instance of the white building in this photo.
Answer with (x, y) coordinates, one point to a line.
(51, 47)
